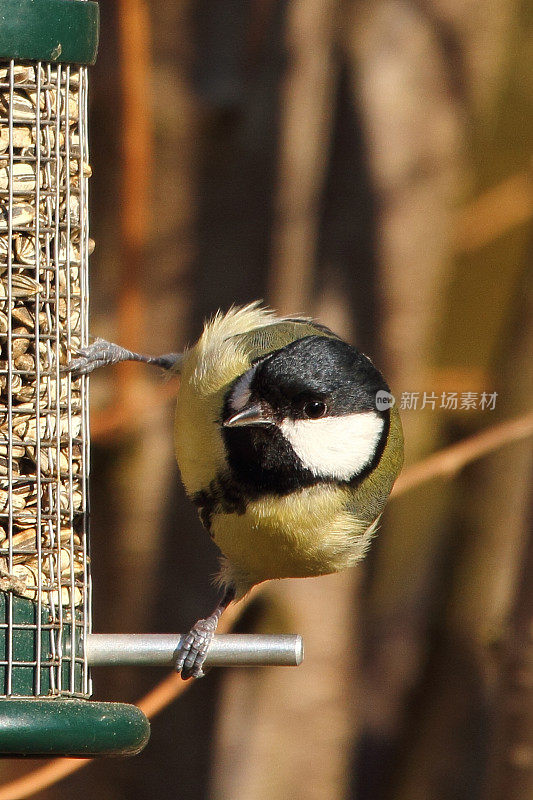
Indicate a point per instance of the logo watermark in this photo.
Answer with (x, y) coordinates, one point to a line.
(447, 401)
(384, 400)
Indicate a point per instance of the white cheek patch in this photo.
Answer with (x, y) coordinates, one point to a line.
(335, 447)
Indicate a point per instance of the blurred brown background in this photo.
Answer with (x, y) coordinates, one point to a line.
(368, 163)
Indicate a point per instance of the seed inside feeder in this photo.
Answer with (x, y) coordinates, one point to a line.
(43, 176)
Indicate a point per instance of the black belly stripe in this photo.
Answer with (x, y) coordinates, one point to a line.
(224, 495)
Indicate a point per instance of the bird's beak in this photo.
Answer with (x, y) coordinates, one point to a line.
(252, 414)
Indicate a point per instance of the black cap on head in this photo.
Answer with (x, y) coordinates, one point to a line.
(318, 367)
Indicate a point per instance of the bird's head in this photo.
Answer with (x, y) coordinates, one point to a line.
(305, 414)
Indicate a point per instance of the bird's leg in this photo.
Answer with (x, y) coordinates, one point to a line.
(10, 583)
(101, 353)
(194, 646)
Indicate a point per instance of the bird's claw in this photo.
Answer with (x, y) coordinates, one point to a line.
(98, 354)
(194, 646)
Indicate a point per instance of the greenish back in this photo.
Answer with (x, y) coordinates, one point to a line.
(262, 341)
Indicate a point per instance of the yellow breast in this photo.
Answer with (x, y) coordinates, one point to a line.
(299, 535)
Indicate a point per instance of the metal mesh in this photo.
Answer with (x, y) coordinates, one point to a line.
(44, 460)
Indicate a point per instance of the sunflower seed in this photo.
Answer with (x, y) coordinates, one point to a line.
(69, 596)
(22, 107)
(48, 459)
(25, 363)
(50, 565)
(22, 137)
(21, 74)
(22, 178)
(17, 496)
(18, 447)
(4, 251)
(22, 315)
(20, 342)
(15, 384)
(4, 466)
(25, 249)
(24, 545)
(22, 215)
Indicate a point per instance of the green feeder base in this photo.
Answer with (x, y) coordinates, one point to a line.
(46, 726)
(64, 727)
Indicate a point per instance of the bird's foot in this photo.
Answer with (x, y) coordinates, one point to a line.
(193, 648)
(11, 583)
(102, 353)
(98, 354)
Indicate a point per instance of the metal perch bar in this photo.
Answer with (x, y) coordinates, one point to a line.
(159, 650)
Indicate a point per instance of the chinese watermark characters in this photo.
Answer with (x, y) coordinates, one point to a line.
(448, 401)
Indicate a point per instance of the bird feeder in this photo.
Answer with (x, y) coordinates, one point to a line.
(45, 597)
(46, 644)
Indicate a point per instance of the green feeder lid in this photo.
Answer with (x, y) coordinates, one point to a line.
(63, 31)
(64, 727)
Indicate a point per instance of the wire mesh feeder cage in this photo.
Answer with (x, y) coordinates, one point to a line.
(45, 587)
(43, 414)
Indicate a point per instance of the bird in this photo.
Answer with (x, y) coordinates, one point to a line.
(288, 442)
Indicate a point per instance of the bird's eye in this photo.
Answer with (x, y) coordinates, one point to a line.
(314, 409)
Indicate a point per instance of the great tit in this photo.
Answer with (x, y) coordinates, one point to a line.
(287, 443)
